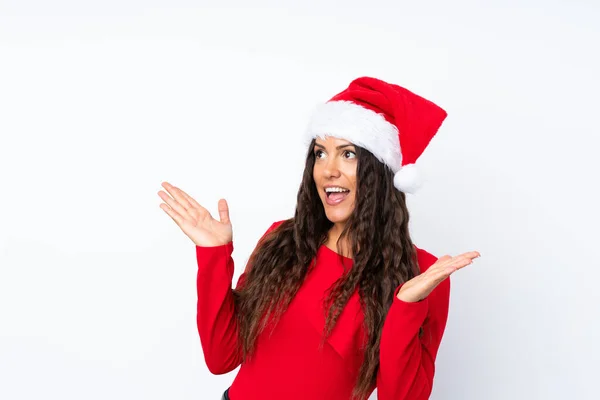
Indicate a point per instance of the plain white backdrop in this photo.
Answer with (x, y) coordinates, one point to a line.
(102, 101)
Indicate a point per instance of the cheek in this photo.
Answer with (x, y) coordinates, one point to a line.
(316, 179)
(352, 179)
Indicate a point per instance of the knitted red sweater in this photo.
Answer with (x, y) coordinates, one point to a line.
(289, 364)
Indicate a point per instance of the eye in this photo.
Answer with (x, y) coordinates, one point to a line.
(318, 152)
(346, 152)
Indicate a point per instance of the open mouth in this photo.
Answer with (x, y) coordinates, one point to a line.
(336, 195)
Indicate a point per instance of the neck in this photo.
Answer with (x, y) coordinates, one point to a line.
(334, 234)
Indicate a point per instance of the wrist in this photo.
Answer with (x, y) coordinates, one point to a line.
(408, 299)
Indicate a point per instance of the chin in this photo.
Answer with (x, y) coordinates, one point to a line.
(338, 216)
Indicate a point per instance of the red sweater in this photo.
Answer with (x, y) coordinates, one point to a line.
(289, 364)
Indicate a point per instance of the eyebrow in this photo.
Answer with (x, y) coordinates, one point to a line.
(337, 148)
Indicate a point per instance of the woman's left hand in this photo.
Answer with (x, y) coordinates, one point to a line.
(421, 285)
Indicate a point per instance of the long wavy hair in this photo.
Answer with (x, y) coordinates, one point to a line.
(383, 257)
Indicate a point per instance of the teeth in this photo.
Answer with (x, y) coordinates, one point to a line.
(335, 189)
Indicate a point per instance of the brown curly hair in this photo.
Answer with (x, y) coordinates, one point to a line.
(383, 258)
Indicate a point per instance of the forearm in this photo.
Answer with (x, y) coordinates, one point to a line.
(407, 357)
(216, 319)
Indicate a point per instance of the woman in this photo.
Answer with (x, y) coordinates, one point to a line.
(336, 301)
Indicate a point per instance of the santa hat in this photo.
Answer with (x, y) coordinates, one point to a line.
(393, 123)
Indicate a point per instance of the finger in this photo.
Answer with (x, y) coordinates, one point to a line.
(174, 204)
(450, 260)
(224, 211)
(177, 195)
(459, 264)
(172, 213)
(441, 271)
(471, 254)
(193, 202)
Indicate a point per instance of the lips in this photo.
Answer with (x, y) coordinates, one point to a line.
(335, 198)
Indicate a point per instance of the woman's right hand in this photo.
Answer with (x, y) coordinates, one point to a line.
(194, 220)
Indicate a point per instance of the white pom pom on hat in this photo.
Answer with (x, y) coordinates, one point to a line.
(408, 179)
(393, 123)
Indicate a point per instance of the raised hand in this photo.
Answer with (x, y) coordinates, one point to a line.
(194, 220)
(421, 285)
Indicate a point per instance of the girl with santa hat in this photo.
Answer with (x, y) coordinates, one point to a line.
(337, 300)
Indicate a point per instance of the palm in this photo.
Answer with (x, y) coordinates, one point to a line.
(421, 285)
(207, 230)
(194, 220)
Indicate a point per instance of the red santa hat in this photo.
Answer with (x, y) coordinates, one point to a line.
(393, 123)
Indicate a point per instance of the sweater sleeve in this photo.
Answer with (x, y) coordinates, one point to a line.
(407, 360)
(216, 319)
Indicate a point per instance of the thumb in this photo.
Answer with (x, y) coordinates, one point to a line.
(223, 211)
(444, 259)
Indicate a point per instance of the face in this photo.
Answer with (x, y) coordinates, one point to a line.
(335, 177)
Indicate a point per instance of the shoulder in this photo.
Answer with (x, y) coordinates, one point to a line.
(271, 228)
(274, 225)
(425, 259)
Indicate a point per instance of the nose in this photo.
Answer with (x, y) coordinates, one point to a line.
(331, 169)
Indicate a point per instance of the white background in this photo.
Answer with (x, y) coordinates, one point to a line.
(102, 101)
